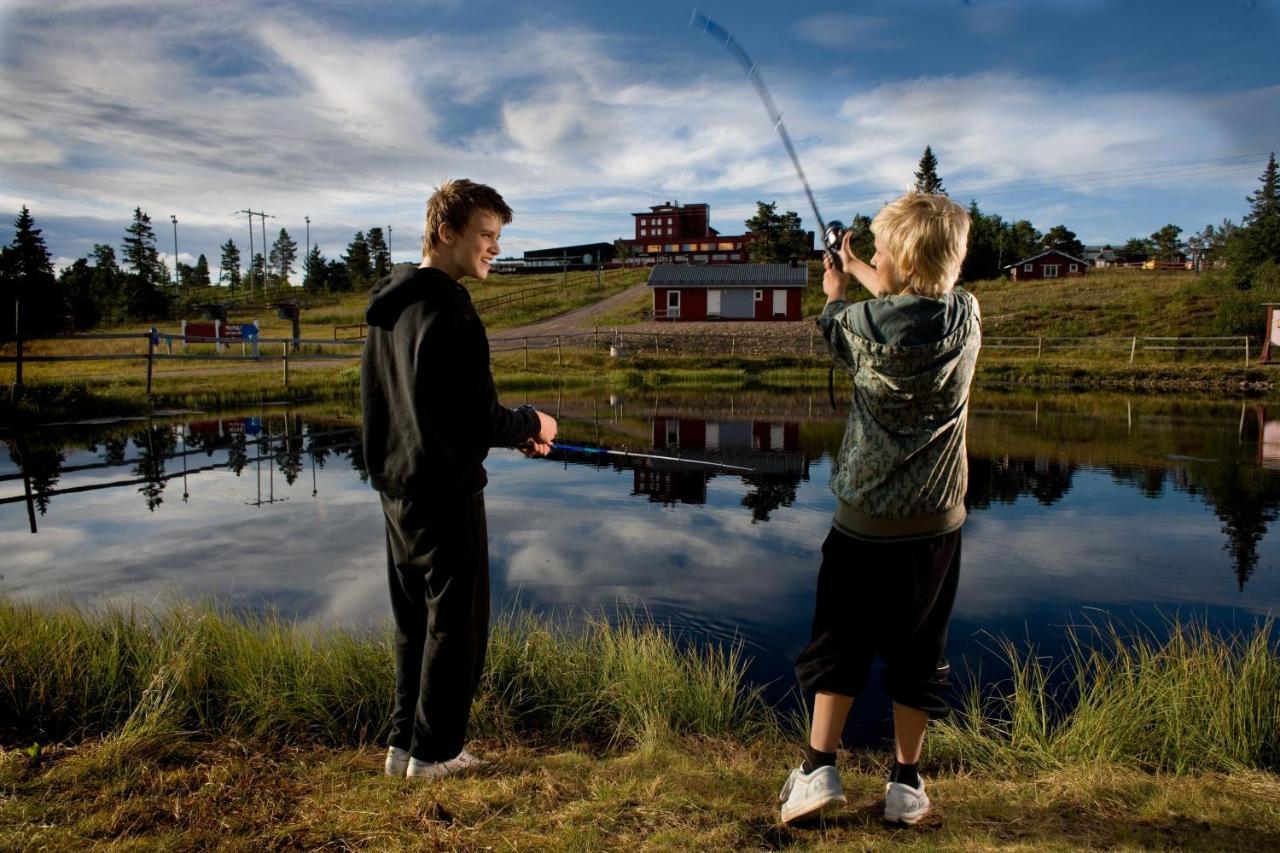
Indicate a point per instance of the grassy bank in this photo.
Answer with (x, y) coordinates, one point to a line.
(199, 727)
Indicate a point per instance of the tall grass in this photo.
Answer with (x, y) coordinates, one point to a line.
(1192, 700)
(69, 674)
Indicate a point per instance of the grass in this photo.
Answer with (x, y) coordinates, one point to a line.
(203, 728)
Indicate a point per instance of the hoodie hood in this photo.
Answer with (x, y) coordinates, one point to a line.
(405, 285)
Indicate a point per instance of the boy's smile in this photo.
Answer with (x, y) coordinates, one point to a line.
(470, 253)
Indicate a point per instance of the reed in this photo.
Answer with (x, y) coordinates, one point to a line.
(1187, 700)
(69, 674)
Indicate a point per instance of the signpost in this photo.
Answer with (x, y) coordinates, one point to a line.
(1272, 337)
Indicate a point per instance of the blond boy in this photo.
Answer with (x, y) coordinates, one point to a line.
(892, 559)
(431, 413)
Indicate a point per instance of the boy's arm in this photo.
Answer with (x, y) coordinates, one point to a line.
(834, 284)
(867, 275)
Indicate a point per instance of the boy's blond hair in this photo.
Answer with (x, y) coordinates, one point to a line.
(454, 203)
(926, 236)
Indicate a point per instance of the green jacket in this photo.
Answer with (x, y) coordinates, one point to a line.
(902, 470)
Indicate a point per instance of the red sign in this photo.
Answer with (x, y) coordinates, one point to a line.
(202, 330)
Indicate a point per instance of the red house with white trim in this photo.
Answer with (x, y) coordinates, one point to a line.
(728, 292)
(1050, 264)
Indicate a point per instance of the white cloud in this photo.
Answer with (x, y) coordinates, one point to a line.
(846, 32)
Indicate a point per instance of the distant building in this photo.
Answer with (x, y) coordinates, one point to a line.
(672, 232)
(1099, 256)
(1050, 264)
(586, 255)
(728, 292)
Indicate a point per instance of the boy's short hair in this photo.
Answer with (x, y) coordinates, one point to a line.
(926, 236)
(454, 203)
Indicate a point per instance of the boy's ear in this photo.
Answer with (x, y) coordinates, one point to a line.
(445, 234)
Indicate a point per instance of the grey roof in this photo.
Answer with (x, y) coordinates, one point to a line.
(729, 275)
(1042, 254)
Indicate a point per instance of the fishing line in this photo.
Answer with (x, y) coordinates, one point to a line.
(832, 232)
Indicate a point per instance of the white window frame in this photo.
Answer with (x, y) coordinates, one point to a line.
(673, 303)
(1051, 270)
(1073, 267)
(1028, 267)
(759, 295)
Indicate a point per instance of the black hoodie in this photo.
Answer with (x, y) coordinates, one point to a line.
(431, 411)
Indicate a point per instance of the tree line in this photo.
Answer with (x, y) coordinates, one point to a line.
(996, 242)
(135, 284)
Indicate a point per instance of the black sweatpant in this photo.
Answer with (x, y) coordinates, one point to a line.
(438, 569)
(891, 599)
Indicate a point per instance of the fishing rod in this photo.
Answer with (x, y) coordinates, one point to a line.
(574, 448)
(833, 231)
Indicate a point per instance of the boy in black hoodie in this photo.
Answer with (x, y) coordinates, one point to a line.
(431, 413)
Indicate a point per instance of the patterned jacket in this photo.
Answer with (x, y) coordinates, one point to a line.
(902, 470)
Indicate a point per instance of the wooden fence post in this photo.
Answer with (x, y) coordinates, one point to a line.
(285, 347)
(17, 380)
(812, 334)
(595, 336)
(1246, 350)
(526, 352)
(733, 345)
(1133, 350)
(1039, 347)
(558, 361)
(151, 346)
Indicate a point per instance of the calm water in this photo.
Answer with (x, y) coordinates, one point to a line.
(1080, 506)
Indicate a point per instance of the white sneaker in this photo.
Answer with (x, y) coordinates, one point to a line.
(397, 761)
(905, 804)
(805, 795)
(439, 769)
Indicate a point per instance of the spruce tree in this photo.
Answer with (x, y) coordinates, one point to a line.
(143, 296)
(230, 265)
(983, 258)
(1063, 239)
(26, 276)
(359, 261)
(314, 281)
(378, 252)
(284, 251)
(200, 275)
(1258, 238)
(775, 238)
(107, 283)
(927, 180)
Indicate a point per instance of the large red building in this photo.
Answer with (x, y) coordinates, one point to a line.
(672, 232)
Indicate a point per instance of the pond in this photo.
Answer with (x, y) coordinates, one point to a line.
(1082, 507)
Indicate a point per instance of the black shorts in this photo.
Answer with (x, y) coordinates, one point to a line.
(886, 599)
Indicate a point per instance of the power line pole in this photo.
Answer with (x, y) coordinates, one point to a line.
(306, 276)
(252, 213)
(389, 244)
(177, 279)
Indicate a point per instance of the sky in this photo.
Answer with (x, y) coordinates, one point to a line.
(1112, 118)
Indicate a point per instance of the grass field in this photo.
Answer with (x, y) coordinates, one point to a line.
(198, 728)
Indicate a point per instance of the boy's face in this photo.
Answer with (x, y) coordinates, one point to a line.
(472, 251)
(890, 275)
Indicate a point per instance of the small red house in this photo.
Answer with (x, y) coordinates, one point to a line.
(728, 292)
(1050, 264)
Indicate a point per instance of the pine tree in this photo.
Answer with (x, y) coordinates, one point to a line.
(1135, 250)
(359, 261)
(927, 180)
(776, 238)
(1063, 239)
(314, 281)
(284, 251)
(1168, 245)
(1021, 241)
(77, 285)
(378, 252)
(1258, 238)
(200, 275)
(144, 298)
(984, 259)
(26, 276)
(258, 271)
(230, 265)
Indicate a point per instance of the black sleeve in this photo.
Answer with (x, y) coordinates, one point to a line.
(488, 422)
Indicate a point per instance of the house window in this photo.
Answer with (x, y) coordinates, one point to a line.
(759, 295)
(653, 248)
(725, 247)
(671, 247)
(720, 257)
(706, 247)
(689, 247)
(1050, 270)
(735, 257)
(673, 432)
(668, 220)
(1028, 267)
(644, 232)
(1073, 268)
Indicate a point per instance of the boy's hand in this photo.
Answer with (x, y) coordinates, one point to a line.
(546, 430)
(834, 282)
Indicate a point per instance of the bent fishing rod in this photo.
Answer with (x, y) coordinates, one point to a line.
(605, 451)
(833, 231)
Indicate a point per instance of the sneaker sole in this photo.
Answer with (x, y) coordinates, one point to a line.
(812, 812)
(908, 819)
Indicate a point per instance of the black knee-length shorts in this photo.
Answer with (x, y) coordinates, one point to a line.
(886, 599)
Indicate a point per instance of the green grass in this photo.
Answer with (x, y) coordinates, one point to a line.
(199, 728)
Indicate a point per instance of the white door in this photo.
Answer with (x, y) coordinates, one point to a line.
(713, 303)
(673, 303)
(779, 303)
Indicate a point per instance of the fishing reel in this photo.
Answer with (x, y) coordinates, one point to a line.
(832, 238)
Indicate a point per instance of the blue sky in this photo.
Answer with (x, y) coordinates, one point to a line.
(1110, 117)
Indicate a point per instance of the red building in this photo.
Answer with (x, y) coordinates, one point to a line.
(732, 292)
(1050, 264)
(682, 233)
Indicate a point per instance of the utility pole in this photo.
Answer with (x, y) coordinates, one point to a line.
(177, 279)
(306, 276)
(389, 244)
(252, 213)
